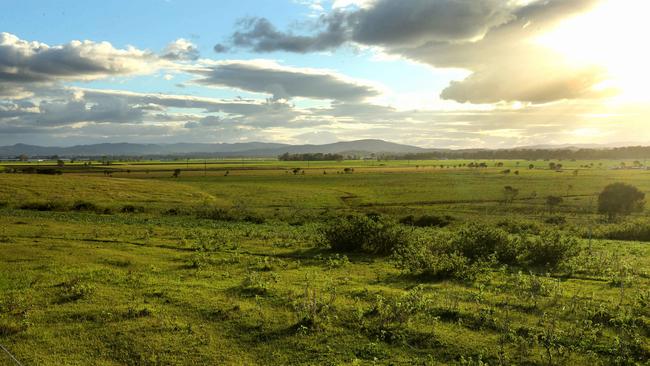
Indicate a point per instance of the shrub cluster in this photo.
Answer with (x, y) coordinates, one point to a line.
(476, 248)
(427, 221)
(372, 234)
(635, 230)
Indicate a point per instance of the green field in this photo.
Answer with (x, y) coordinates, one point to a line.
(229, 263)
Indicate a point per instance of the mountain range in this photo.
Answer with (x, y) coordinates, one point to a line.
(246, 149)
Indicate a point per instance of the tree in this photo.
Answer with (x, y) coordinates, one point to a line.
(620, 199)
(23, 157)
(509, 194)
(177, 173)
(60, 163)
(553, 201)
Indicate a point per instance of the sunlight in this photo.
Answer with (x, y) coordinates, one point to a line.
(614, 35)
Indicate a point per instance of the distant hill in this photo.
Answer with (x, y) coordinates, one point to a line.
(247, 149)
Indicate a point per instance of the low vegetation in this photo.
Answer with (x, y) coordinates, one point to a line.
(395, 264)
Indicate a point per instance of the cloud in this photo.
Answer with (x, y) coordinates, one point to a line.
(181, 50)
(493, 39)
(34, 62)
(283, 82)
(417, 22)
(260, 35)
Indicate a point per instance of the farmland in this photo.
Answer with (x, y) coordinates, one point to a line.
(237, 262)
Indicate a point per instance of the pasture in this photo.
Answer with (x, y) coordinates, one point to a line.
(233, 262)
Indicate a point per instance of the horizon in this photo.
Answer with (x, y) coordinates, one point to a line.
(498, 75)
(425, 149)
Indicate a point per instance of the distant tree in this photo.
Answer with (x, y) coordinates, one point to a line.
(552, 166)
(348, 170)
(509, 194)
(531, 166)
(177, 173)
(552, 202)
(60, 163)
(620, 199)
(23, 157)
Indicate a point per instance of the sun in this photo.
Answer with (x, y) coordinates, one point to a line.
(614, 35)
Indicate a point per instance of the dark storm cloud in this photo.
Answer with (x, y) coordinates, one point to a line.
(283, 82)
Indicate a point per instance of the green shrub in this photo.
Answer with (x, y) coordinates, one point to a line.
(479, 241)
(637, 230)
(132, 209)
(74, 290)
(437, 256)
(475, 249)
(256, 283)
(214, 213)
(42, 206)
(427, 221)
(555, 220)
(549, 249)
(516, 226)
(358, 233)
(84, 206)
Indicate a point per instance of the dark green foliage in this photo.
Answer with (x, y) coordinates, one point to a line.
(620, 199)
(427, 220)
(74, 290)
(42, 206)
(478, 241)
(360, 233)
(518, 226)
(638, 230)
(132, 209)
(555, 220)
(214, 213)
(84, 206)
(475, 249)
(310, 157)
(549, 249)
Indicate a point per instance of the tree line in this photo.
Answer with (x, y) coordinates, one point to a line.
(631, 152)
(310, 157)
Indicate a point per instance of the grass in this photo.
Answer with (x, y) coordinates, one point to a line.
(83, 286)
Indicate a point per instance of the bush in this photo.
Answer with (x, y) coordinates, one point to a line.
(42, 206)
(549, 249)
(84, 206)
(74, 290)
(427, 221)
(479, 241)
(555, 220)
(359, 233)
(514, 226)
(438, 256)
(214, 213)
(132, 209)
(475, 249)
(637, 230)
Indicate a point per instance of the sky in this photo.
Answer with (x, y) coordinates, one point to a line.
(431, 73)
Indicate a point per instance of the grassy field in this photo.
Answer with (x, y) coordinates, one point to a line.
(233, 262)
